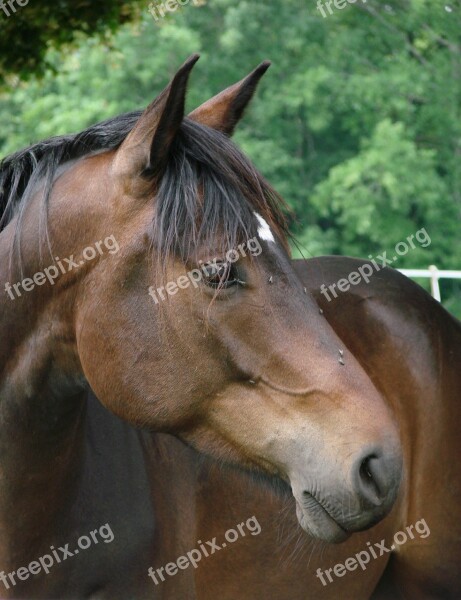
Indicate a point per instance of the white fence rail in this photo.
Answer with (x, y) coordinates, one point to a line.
(434, 275)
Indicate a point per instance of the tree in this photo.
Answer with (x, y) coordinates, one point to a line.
(28, 31)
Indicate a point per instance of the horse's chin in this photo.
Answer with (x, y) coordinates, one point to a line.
(316, 521)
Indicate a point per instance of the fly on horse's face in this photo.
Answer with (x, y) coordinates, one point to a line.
(239, 362)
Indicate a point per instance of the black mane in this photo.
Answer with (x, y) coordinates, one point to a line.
(22, 171)
(208, 186)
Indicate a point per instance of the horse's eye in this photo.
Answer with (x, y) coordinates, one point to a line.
(220, 275)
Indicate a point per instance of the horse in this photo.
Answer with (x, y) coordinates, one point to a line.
(145, 259)
(410, 346)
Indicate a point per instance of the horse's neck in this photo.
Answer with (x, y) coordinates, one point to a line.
(41, 453)
(41, 447)
(41, 409)
(150, 480)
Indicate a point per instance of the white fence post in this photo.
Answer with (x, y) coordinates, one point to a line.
(434, 275)
(435, 288)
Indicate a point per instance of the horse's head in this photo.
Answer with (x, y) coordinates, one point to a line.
(198, 325)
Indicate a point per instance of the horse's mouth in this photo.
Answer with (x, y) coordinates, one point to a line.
(315, 519)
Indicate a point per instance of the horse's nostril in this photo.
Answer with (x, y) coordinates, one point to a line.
(369, 485)
(376, 477)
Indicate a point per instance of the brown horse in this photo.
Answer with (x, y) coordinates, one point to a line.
(411, 348)
(178, 305)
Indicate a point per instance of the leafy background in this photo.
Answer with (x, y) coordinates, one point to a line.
(357, 123)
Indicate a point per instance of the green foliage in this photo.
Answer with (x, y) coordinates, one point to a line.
(27, 32)
(357, 123)
(407, 194)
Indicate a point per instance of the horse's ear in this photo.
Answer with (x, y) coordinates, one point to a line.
(225, 110)
(146, 148)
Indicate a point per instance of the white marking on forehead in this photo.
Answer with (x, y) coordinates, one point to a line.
(264, 231)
